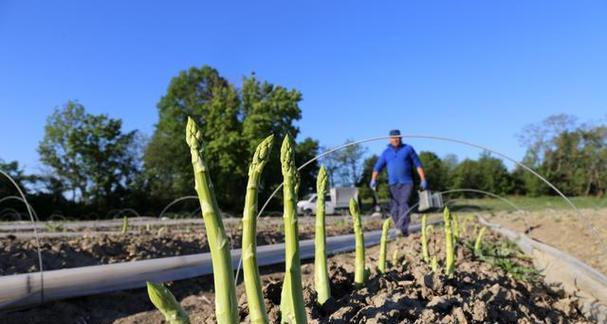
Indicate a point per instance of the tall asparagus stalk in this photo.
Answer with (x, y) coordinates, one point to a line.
(125, 225)
(383, 245)
(425, 253)
(226, 305)
(359, 262)
(456, 230)
(321, 273)
(291, 302)
(252, 282)
(162, 298)
(450, 258)
(394, 257)
(478, 244)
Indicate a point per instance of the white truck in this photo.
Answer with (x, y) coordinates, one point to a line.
(337, 201)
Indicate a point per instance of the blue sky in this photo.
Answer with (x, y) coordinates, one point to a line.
(473, 70)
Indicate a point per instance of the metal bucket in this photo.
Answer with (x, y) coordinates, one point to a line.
(429, 200)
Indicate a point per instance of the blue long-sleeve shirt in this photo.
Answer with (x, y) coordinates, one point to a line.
(399, 161)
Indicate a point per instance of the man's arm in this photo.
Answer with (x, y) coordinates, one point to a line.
(375, 174)
(379, 165)
(420, 169)
(422, 174)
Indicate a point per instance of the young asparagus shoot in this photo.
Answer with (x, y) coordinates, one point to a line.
(226, 304)
(395, 257)
(434, 264)
(456, 233)
(252, 281)
(321, 273)
(162, 298)
(291, 302)
(450, 254)
(424, 237)
(384, 245)
(359, 262)
(125, 225)
(479, 241)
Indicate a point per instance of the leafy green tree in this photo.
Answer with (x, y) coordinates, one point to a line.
(89, 154)
(382, 180)
(14, 171)
(495, 175)
(232, 122)
(573, 157)
(467, 175)
(437, 174)
(304, 151)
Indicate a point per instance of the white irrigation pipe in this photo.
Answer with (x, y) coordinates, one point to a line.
(20, 290)
(117, 213)
(3, 199)
(105, 223)
(174, 202)
(31, 214)
(10, 211)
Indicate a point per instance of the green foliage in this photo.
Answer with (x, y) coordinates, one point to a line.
(16, 172)
(231, 123)
(304, 151)
(89, 154)
(487, 173)
(365, 192)
(437, 171)
(505, 255)
(571, 156)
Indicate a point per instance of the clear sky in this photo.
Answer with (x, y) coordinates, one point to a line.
(473, 70)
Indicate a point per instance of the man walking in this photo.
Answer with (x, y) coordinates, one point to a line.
(399, 158)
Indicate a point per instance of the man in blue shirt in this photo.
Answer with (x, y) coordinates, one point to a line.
(399, 159)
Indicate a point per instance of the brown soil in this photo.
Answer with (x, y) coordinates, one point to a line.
(408, 293)
(565, 230)
(20, 255)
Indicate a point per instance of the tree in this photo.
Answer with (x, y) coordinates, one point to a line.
(349, 160)
(331, 164)
(495, 177)
(16, 173)
(571, 156)
(467, 175)
(437, 174)
(232, 122)
(382, 180)
(89, 154)
(304, 151)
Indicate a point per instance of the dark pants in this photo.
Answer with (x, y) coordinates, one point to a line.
(399, 206)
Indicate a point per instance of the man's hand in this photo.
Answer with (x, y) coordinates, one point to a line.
(373, 184)
(424, 184)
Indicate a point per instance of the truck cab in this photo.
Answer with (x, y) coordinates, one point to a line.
(307, 207)
(337, 201)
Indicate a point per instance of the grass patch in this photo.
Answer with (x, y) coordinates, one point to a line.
(506, 255)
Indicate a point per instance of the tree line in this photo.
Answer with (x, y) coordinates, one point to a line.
(93, 166)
